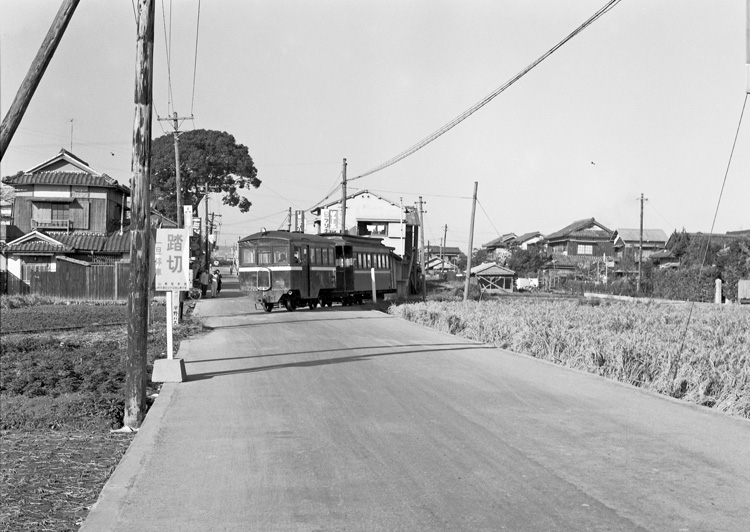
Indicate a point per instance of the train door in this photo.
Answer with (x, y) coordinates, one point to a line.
(302, 254)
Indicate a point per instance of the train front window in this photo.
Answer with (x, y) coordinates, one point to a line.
(280, 255)
(247, 255)
(264, 256)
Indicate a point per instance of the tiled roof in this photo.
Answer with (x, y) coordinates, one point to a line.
(75, 242)
(37, 246)
(64, 178)
(577, 229)
(490, 268)
(649, 235)
(117, 243)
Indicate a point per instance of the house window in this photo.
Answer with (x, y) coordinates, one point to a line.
(372, 228)
(59, 212)
(585, 249)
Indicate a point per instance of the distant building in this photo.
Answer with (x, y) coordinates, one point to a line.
(64, 208)
(583, 239)
(653, 240)
(368, 214)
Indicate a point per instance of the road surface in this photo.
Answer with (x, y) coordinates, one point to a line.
(348, 419)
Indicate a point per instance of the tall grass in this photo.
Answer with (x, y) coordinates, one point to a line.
(636, 343)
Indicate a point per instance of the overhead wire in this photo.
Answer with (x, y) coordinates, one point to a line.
(167, 46)
(466, 114)
(708, 239)
(195, 58)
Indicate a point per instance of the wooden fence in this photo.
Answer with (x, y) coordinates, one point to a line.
(76, 281)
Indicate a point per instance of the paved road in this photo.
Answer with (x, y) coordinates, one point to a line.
(347, 419)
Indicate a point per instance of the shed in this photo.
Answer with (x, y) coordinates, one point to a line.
(493, 278)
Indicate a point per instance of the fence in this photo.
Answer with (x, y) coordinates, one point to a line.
(75, 280)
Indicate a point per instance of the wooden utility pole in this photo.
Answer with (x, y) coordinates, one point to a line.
(471, 242)
(442, 247)
(178, 178)
(289, 224)
(422, 255)
(140, 223)
(343, 200)
(747, 56)
(34, 75)
(640, 251)
(205, 198)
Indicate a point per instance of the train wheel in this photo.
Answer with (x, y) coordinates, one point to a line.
(268, 307)
(312, 305)
(289, 305)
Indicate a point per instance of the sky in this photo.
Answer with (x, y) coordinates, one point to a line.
(647, 100)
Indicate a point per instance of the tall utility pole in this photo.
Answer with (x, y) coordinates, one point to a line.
(34, 75)
(205, 198)
(177, 179)
(471, 242)
(140, 226)
(343, 199)
(289, 223)
(640, 250)
(442, 247)
(422, 258)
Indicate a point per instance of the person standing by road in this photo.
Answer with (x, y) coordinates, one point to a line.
(203, 279)
(214, 284)
(217, 276)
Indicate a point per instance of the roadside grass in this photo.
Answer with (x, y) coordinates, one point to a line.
(643, 344)
(60, 394)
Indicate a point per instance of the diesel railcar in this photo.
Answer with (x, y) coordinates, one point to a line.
(356, 258)
(280, 268)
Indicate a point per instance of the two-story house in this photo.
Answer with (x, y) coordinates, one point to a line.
(582, 239)
(64, 208)
(628, 242)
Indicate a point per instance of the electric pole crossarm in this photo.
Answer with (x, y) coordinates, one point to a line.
(178, 179)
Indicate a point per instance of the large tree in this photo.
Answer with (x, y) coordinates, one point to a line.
(206, 156)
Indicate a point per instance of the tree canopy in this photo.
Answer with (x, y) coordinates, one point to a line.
(206, 156)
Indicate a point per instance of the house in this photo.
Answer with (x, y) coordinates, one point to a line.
(64, 208)
(586, 240)
(438, 265)
(493, 278)
(527, 240)
(447, 253)
(663, 259)
(499, 248)
(368, 214)
(623, 239)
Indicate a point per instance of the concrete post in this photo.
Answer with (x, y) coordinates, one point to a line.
(717, 293)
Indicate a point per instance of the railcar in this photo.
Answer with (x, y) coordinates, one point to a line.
(356, 258)
(279, 268)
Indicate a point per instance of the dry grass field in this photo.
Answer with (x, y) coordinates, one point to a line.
(644, 344)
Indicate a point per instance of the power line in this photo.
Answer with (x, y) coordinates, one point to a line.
(195, 59)
(710, 234)
(466, 114)
(167, 46)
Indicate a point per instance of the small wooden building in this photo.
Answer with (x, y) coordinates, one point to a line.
(493, 278)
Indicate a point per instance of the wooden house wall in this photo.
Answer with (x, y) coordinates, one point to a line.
(78, 282)
(22, 213)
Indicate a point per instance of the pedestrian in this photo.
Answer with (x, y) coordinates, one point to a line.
(214, 285)
(231, 267)
(203, 279)
(217, 276)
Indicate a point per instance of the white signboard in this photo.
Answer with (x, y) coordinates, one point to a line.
(171, 260)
